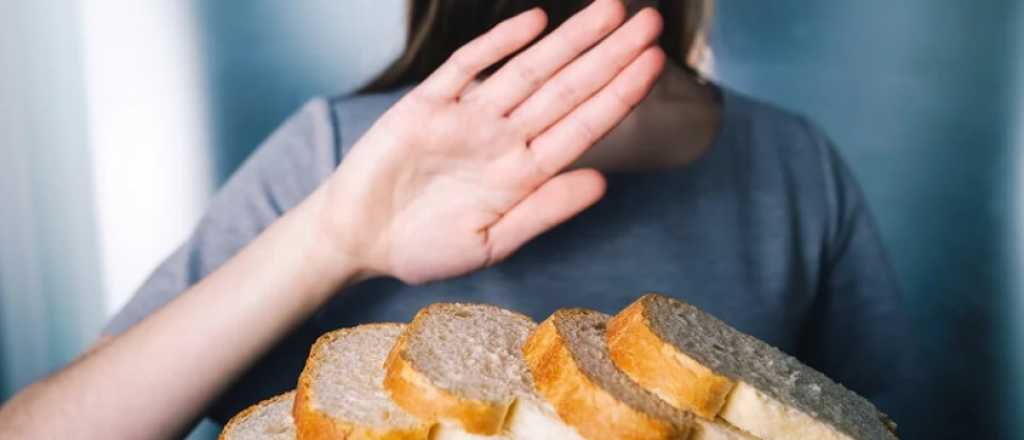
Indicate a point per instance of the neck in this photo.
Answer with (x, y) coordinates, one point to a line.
(671, 128)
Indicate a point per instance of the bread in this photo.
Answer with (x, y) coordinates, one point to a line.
(660, 369)
(341, 395)
(569, 360)
(461, 365)
(696, 362)
(270, 419)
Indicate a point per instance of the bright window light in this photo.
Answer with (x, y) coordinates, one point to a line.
(147, 122)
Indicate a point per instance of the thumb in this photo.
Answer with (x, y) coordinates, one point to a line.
(555, 201)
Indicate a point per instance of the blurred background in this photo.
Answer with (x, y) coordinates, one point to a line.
(119, 119)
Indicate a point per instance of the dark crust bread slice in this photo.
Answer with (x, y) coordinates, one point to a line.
(561, 377)
(679, 380)
(772, 394)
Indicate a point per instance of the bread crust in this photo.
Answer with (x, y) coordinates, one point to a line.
(661, 368)
(240, 417)
(415, 393)
(592, 411)
(314, 424)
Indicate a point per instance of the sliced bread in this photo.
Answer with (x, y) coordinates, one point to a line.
(696, 362)
(568, 357)
(461, 365)
(341, 390)
(270, 419)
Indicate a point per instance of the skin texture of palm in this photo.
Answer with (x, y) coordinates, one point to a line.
(480, 172)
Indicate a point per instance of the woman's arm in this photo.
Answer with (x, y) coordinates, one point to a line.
(153, 379)
(446, 182)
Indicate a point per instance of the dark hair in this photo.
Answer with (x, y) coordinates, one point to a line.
(436, 28)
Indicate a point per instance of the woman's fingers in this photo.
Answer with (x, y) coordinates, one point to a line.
(565, 141)
(528, 71)
(449, 80)
(554, 202)
(585, 76)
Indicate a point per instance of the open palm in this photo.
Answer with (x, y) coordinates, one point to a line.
(458, 175)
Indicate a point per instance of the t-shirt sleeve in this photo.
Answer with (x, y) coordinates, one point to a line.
(286, 168)
(858, 331)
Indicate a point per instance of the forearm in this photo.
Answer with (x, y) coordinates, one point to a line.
(155, 378)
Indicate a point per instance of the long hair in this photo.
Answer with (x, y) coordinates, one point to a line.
(436, 28)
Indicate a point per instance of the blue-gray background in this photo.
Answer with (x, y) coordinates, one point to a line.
(923, 97)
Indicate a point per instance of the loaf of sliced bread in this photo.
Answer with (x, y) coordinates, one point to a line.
(461, 365)
(696, 362)
(270, 419)
(341, 390)
(568, 357)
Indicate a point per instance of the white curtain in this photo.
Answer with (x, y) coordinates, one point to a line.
(50, 283)
(148, 134)
(104, 167)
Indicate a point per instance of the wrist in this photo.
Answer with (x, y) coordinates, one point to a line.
(327, 258)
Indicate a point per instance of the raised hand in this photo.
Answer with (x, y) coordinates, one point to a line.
(458, 174)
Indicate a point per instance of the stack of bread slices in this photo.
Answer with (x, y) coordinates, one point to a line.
(660, 369)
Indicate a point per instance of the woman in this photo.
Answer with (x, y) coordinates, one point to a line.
(456, 177)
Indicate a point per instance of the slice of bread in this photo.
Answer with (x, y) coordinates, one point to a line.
(341, 390)
(270, 419)
(696, 362)
(568, 357)
(462, 366)
(719, 430)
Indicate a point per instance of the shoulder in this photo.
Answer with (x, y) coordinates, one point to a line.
(310, 127)
(792, 152)
(353, 114)
(775, 141)
(769, 129)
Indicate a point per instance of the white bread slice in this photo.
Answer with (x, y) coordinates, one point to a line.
(569, 359)
(270, 419)
(696, 362)
(461, 365)
(341, 392)
(719, 430)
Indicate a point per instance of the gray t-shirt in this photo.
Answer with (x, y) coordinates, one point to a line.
(768, 231)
